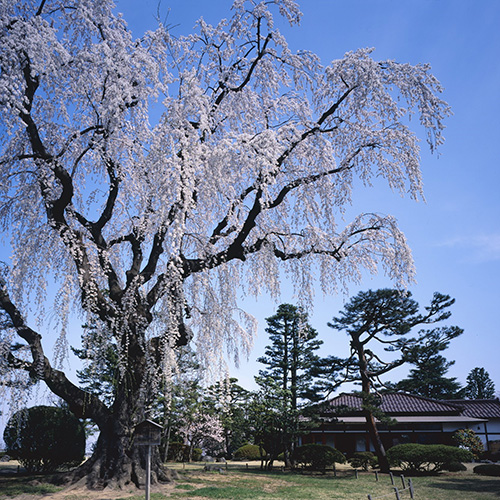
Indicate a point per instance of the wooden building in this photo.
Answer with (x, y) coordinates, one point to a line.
(416, 420)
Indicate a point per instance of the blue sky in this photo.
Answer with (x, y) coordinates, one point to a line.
(455, 235)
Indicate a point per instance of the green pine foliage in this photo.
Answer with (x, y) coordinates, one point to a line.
(428, 378)
(479, 385)
(377, 323)
(290, 361)
(291, 356)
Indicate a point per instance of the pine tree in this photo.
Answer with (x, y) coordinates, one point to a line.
(385, 317)
(290, 359)
(479, 385)
(428, 377)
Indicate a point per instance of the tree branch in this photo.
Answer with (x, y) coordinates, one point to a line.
(83, 404)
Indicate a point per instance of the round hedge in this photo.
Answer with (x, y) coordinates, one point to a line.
(317, 456)
(248, 452)
(45, 438)
(455, 467)
(487, 470)
(363, 459)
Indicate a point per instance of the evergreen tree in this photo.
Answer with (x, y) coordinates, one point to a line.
(385, 317)
(290, 360)
(428, 377)
(99, 352)
(271, 421)
(479, 385)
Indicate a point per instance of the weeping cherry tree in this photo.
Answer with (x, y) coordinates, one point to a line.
(153, 179)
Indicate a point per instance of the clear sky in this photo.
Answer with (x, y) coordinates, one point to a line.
(455, 235)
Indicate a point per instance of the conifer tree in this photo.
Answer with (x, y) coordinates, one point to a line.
(479, 384)
(428, 377)
(386, 318)
(290, 360)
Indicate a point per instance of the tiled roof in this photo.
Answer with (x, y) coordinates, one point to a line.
(395, 404)
(478, 408)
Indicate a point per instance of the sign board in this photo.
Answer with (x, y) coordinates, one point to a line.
(148, 433)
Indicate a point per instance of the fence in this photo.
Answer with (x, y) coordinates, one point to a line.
(407, 487)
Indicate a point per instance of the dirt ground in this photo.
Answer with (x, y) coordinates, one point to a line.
(77, 491)
(81, 493)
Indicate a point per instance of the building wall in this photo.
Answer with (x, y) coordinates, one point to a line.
(486, 431)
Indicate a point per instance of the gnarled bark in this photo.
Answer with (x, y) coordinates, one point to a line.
(116, 464)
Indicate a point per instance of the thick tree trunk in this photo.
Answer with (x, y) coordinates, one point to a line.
(117, 463)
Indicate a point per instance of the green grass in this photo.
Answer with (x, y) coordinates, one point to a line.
(240, 483)
(12, 487)
(253, 484)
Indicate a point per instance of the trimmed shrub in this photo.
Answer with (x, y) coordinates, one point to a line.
(45, 438)
(426, 457)
(317, 456)
(179, 452)
(487, 470)
(455, 467)
(248, 452)
(363, 460)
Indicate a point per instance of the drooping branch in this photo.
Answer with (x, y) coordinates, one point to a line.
(83, 404)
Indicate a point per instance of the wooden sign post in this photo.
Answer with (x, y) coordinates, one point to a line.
(148, 433)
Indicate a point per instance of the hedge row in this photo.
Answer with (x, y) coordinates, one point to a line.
(426, 457)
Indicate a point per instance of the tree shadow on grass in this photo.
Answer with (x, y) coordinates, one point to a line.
(11, 487)
(474, 485)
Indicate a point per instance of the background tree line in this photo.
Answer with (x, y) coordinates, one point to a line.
(221, 418)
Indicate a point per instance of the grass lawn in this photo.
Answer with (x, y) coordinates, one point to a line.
(14, 485)
(252, 484)
(239, 483)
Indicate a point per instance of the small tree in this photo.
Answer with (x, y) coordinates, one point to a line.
(203, 431)
(229, 401)
(479, 385)
(363, 459)
(317, 456)
(45, 438)
(468, 439)
(269, 418)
